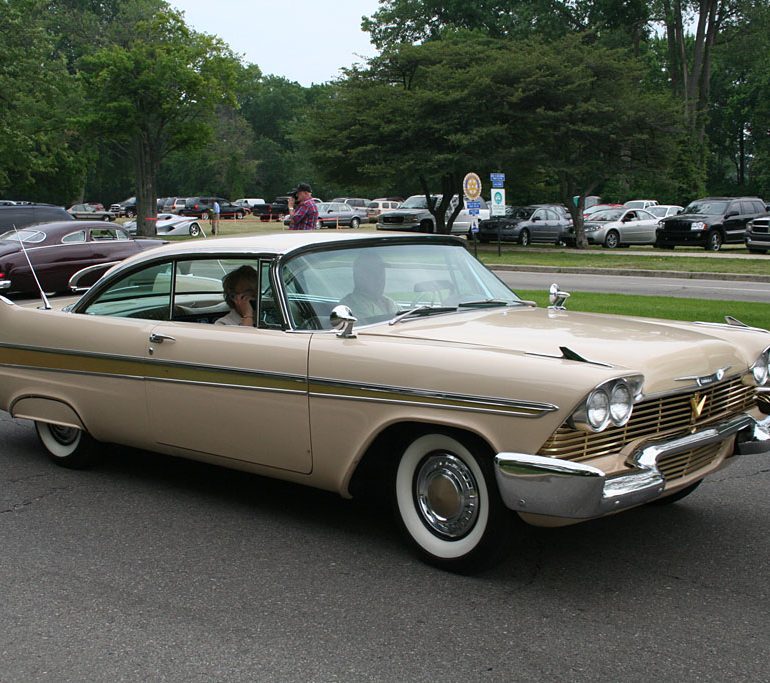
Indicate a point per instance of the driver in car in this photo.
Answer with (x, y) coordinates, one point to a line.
(367, 300)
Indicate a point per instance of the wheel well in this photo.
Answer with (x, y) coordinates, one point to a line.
(378, 465)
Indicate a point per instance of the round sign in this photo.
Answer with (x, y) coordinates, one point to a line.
(472, 186)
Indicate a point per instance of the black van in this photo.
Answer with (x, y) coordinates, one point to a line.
(22, 215)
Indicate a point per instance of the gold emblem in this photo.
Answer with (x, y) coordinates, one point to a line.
(697, 403)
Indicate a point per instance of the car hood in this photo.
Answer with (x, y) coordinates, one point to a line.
(659, 349)
(691, 217)
(405, 212)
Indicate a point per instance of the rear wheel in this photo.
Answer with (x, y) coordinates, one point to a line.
(714, 241)
(448, 504)
(354, 223)
(205, 215)
(612, 240)
(67, 446)
(195, 229)
(524, 238)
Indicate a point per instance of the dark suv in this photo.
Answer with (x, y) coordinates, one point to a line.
(201, 207)
(709, 223)
(22, 215)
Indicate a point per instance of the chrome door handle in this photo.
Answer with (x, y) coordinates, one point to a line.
(160, 338)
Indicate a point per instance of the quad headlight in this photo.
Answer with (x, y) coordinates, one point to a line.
(609, 404)
(761, 368)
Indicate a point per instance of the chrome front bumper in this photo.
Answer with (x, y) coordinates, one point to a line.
(561, 488)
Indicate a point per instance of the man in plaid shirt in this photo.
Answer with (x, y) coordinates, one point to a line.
(305, 215)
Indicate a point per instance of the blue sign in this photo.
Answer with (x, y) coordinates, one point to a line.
(498, 179)
(473, 207)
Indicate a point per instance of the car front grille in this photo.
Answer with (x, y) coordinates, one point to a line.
(394, 220)
(761, 226)
(669, 416)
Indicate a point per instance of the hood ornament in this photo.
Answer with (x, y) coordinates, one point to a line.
(706, 380)
(557, 298)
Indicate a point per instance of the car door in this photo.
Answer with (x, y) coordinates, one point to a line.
(539, 228)
(232, 392)
(734, 225)
(644, 228)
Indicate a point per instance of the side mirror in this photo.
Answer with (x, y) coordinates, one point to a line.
(342, 319)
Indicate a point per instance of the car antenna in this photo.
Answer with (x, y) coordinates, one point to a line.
(46, 303)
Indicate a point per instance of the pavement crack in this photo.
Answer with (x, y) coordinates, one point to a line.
(27, 502)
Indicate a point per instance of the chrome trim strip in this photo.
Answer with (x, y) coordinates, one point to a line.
(561, 488)
(406, 395)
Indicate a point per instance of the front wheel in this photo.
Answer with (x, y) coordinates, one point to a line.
(426, 226)
(612, 240)
(67, 446)
(129, 214)
(714, 241)
(448, 505)
(524, 238)
(354, 223)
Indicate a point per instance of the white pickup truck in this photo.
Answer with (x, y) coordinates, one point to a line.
(413, 215)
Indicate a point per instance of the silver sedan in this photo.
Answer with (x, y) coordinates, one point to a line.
(617, 227)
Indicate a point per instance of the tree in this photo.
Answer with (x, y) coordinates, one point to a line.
(156, 94)
(563, 116)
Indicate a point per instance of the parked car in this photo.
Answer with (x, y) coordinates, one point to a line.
(171, 224)
(248, 203)
(22, 215)
(464, 406)
(710, 222)
(279, 207)
(640, 203)
(90, 211)
(665, 210)
(378, 206)
(359, 205)
(200, 207)
(413, 215)
(125, 208)
(757, 237)
(544, 223)
(614, 228)
(58, 250)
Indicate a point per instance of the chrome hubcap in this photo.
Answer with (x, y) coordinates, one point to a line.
(446, 495)
(64, 435)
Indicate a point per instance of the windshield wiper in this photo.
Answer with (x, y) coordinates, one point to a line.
(421, 311)
(485, 302)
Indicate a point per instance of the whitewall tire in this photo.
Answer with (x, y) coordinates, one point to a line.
(67, 446)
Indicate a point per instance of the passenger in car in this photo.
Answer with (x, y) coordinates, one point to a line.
(241, 287)
(367, 300)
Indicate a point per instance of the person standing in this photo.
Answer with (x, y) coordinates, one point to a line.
(215, 209)
(303, 216)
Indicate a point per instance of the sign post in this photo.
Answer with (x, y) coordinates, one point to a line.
(472, 191)
(498, 201)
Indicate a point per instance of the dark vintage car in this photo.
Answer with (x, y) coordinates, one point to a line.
(202, 207)
(58, 250)
(709, 223)
(546, 223)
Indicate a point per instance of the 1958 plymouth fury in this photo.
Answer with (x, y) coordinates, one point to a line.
(390, 361)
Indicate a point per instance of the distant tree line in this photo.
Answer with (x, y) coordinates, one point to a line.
(653, 98)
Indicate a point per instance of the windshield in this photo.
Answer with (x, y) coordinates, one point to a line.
(707, 207)
(380, 281)
(607, 215)
(417, 201)
(26, 236)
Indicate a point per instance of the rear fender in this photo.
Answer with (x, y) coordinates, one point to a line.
(50, 410)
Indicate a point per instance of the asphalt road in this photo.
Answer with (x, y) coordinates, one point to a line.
(150, 568)
(727, 290)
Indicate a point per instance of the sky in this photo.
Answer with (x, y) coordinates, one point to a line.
(306, 41)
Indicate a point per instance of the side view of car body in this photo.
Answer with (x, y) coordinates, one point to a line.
(710, 222)
(335, 215)
(58, 250)
(614, 228)
(541, 223)
(125, 208)
(640, 203)
(90, 212)
(171, 224)
(395, 364)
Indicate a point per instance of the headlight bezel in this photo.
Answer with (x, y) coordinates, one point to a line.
(699, 226)
(760, 369)
(587, 416)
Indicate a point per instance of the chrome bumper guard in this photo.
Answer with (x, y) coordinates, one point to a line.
(5, 284)
(561, 488)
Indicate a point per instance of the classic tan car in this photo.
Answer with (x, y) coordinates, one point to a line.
(392, 363)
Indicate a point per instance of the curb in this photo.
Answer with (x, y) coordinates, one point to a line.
(735, 277)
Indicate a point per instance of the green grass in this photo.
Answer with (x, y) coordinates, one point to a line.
(671, 308)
